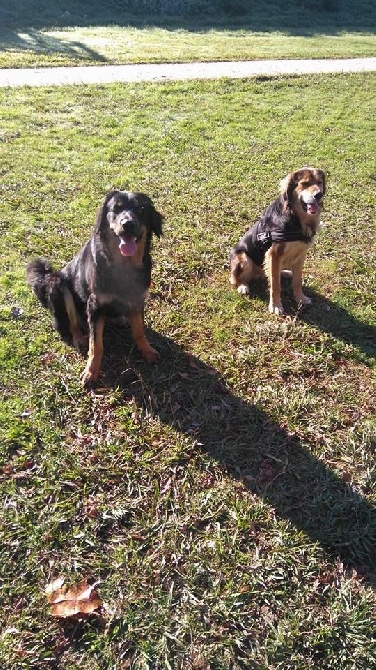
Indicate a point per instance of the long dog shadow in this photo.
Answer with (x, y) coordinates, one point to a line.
(187, 394)
(336, 321)
(324, 315)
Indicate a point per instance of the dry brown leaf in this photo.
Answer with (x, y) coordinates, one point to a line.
(53, 587)
(80, 599)
(67, 608)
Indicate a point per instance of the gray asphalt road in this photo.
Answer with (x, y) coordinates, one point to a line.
(105, 74)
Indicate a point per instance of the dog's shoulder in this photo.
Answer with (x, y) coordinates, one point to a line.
(280, 223)
(79, 273)
(275, 217)
(272, 218)
(276, 224)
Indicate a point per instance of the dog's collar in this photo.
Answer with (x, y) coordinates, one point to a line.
(291, 232)
(266, 239)
(290, 236)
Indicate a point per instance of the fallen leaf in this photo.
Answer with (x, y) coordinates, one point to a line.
(166, 487)
(80, 599)
(16, 312)
(53, 586)
(25, 414)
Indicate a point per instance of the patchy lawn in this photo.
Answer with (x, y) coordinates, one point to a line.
(224, 498)
(67, 32)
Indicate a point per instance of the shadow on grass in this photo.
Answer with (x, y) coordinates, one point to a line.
(329, 17)
(21, 23)
(330, 318)
(324, 315)
(38, 42)
(185, 393)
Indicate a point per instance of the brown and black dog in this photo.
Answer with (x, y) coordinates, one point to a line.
(109, 276)
(280, 239)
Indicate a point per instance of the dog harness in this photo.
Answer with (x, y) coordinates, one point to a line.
(262, 240)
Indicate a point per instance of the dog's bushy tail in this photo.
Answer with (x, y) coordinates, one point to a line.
(40, 277)
(52, 291)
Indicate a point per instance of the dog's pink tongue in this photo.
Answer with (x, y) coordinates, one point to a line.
(312, 208)
(128, 246)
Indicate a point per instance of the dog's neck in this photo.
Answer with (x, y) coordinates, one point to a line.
(310, 224)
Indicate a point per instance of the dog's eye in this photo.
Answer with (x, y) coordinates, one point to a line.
(305, 184)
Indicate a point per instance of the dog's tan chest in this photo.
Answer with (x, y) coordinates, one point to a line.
(292, 253)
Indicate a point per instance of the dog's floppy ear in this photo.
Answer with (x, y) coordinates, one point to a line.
(287, 186)
(155, 218)
(156, 221)
(101, 220)
(321, 175)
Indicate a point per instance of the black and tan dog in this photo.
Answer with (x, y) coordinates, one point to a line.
(109, 276)
(281, 237)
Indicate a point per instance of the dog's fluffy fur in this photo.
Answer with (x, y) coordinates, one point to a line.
(280, 239)
(109, 276)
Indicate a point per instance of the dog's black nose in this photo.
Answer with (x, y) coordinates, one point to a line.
(129, 227)
(319, 195)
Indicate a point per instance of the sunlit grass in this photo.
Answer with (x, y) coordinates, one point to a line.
(224, 498)
(120, 45)
(76, 33)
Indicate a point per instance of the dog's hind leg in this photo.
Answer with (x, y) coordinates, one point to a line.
(96, 322)
(78, 338)
(241, 271)
(136, 322)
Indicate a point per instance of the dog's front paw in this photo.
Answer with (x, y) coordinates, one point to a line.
(89, 377)
(149, 354)
(276, 309)
(243, 289)
(303, 300)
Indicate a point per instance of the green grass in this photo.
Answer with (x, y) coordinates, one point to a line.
(77, 33)
(225, 497)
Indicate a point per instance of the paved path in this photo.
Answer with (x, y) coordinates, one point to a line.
(105, 74)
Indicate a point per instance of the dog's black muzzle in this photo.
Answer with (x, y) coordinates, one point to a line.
(130, 228)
